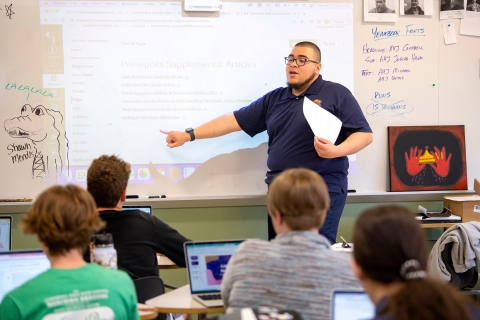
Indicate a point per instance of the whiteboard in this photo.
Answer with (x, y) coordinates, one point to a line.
(439, 87)
(396, 84)
(401, 73)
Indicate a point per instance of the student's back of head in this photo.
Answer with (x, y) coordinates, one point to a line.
(297, 270)
(63, 218)
(107, 179)
(390, 251)
(301, 197)
(137, 236)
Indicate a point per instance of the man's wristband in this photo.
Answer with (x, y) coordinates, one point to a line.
(191, 133)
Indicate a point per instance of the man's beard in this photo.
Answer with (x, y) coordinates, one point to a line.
(298, 86)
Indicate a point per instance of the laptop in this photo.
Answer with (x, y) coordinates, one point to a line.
(146, 209)
(206, 263)
(5, 233)
(351, 305)
(17, 267)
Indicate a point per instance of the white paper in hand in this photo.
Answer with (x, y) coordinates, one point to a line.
(323, 123)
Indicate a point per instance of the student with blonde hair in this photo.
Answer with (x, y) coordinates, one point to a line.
(64, 219)
(297, 270)
(390, 259)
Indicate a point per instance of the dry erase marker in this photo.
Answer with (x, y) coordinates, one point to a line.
(132, 196)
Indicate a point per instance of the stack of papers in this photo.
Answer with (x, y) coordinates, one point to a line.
(323, 123)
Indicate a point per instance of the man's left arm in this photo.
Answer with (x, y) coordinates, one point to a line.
(354, 143)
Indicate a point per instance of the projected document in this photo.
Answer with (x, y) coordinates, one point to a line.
(123, 70)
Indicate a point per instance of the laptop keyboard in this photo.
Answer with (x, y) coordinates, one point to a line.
(217, 296)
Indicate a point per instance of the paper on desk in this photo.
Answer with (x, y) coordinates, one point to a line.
(323, 123)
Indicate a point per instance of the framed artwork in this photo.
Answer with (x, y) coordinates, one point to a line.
(427, 158)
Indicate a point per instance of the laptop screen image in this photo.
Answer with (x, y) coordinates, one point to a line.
(146, 209)
(5, 233)
(206, 263)
(351, 305)
(17, 267)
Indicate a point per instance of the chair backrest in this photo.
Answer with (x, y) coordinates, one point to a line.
(148, 288)
(467, 279)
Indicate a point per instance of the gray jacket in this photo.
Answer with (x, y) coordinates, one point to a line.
(295, 271)
(466, 247)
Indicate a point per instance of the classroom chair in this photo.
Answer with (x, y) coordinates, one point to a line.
(148, 288)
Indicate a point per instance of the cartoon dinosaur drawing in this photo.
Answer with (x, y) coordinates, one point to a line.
(38, 124)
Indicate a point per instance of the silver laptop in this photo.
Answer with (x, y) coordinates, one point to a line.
(5, 233)
(206, 263)
(17, 267)
(351, 305)
(146, 209)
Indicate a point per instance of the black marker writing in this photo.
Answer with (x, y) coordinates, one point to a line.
(9, 11)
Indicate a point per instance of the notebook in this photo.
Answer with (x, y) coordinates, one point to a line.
(17, 267)
(5, 233)
(146, 209)
(206, 263)
(351, 305)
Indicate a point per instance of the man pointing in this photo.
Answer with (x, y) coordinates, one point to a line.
(291, 142)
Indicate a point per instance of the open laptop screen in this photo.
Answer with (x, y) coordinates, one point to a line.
(17, 267)
(206, 263)
(351, 305)
(146, 209)
(5, 233)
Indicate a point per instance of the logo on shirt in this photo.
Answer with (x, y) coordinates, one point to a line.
(318, 101)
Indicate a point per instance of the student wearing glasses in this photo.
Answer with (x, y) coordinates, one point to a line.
(291, 142)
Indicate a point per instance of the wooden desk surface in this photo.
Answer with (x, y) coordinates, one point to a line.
(146, 312)
(436, 225)
(180, 301)
(165, 263)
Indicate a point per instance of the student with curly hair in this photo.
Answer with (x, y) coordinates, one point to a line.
(137, 236)
(64, 218)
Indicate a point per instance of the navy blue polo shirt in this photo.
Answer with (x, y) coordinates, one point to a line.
(290, 138)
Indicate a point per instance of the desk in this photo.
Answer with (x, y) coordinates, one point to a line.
(180, 301)
(146, 312)
(436, 225)
(165, 263)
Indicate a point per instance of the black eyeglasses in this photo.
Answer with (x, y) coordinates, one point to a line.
(300, 61)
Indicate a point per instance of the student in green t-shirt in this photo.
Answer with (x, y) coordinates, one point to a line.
(64, 218)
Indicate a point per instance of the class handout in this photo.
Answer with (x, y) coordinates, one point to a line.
(323, 123)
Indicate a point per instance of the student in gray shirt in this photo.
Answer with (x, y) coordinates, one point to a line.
(297, 270)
